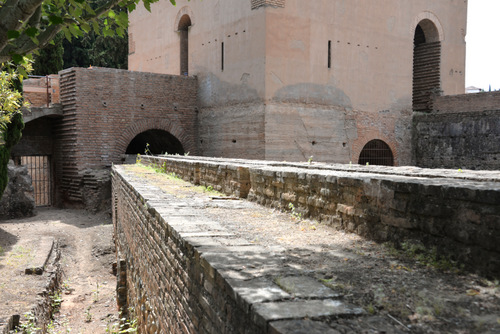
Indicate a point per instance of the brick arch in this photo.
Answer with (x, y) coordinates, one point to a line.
(171, 127)
(186, 10)
(359, 145)
(430, 19)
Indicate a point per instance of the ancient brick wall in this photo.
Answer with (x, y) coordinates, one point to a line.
(42, 91)
(455, 211)
(105, 109)
(463, 131)
(163, 276)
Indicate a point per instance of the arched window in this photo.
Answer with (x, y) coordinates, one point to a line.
(184, 24)
(426, 65)
(376, 152)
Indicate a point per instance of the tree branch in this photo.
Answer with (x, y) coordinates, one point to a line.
(13, 14)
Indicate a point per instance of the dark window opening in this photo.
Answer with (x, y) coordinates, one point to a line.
(419, 36)
(329, 54)
(426, 66)
(184, 24)
(155, 142)
(222, 56)
(376, 152)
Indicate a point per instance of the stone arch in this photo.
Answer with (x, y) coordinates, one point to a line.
(155, 141)
(431, 26)
(427, 36)
(171, 127)
(376, 152)
(186, 10)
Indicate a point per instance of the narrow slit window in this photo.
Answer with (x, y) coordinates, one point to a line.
(329, 54)
(222, 57)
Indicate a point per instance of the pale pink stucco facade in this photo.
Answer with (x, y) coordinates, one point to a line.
(290, 79)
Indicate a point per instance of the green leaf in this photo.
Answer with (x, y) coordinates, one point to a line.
(17, 59)
(35, 40)
(111, 14)
(54, 19)
(131, 7)
(85, 27)
(122, 19)
(31, 31)
(96, 27)
(75, 31)
(108, 32)
(172, 2)
(22, 72)
(13, 34)
(120, 31)
(67, 34)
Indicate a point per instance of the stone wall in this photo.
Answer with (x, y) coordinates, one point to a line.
(162, 275)
(455, 211)
(183, 270)
(17, 201)
(103, 111)
(463, 131)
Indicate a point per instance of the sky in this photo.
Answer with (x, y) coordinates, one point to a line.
(483, 44)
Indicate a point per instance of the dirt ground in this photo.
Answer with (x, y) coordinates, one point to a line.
(87, 296)
(409, 290)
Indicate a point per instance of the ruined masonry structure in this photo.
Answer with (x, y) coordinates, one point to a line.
(290, 79)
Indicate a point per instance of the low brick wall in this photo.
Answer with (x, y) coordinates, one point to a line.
(184, 271)
(456, 211)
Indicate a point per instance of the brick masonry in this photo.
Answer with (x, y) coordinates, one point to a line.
(42, 91)
(457, 212)
(184, 272)
(103, 111)
(463, 131)
(273, 3)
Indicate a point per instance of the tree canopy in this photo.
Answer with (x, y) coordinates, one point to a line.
(28, 25)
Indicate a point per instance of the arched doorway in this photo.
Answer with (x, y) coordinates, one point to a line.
(184, 24)
(376, 152)
(426, 65)
(155, 142)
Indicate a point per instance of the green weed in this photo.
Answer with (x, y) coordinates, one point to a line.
(295, 215)
(56, 300)
(29, 327)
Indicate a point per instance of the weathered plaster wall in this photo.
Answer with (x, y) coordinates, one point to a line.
(462, 132)
(276, 55)
(233, 131)
(457, 212)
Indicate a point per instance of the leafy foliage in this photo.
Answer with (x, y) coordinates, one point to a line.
(49, 60)
(96, 49)
(32, 24)
(11, 119)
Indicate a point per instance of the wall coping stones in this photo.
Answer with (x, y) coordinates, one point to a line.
(318, 167)
(227, 263)
(454, 210)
